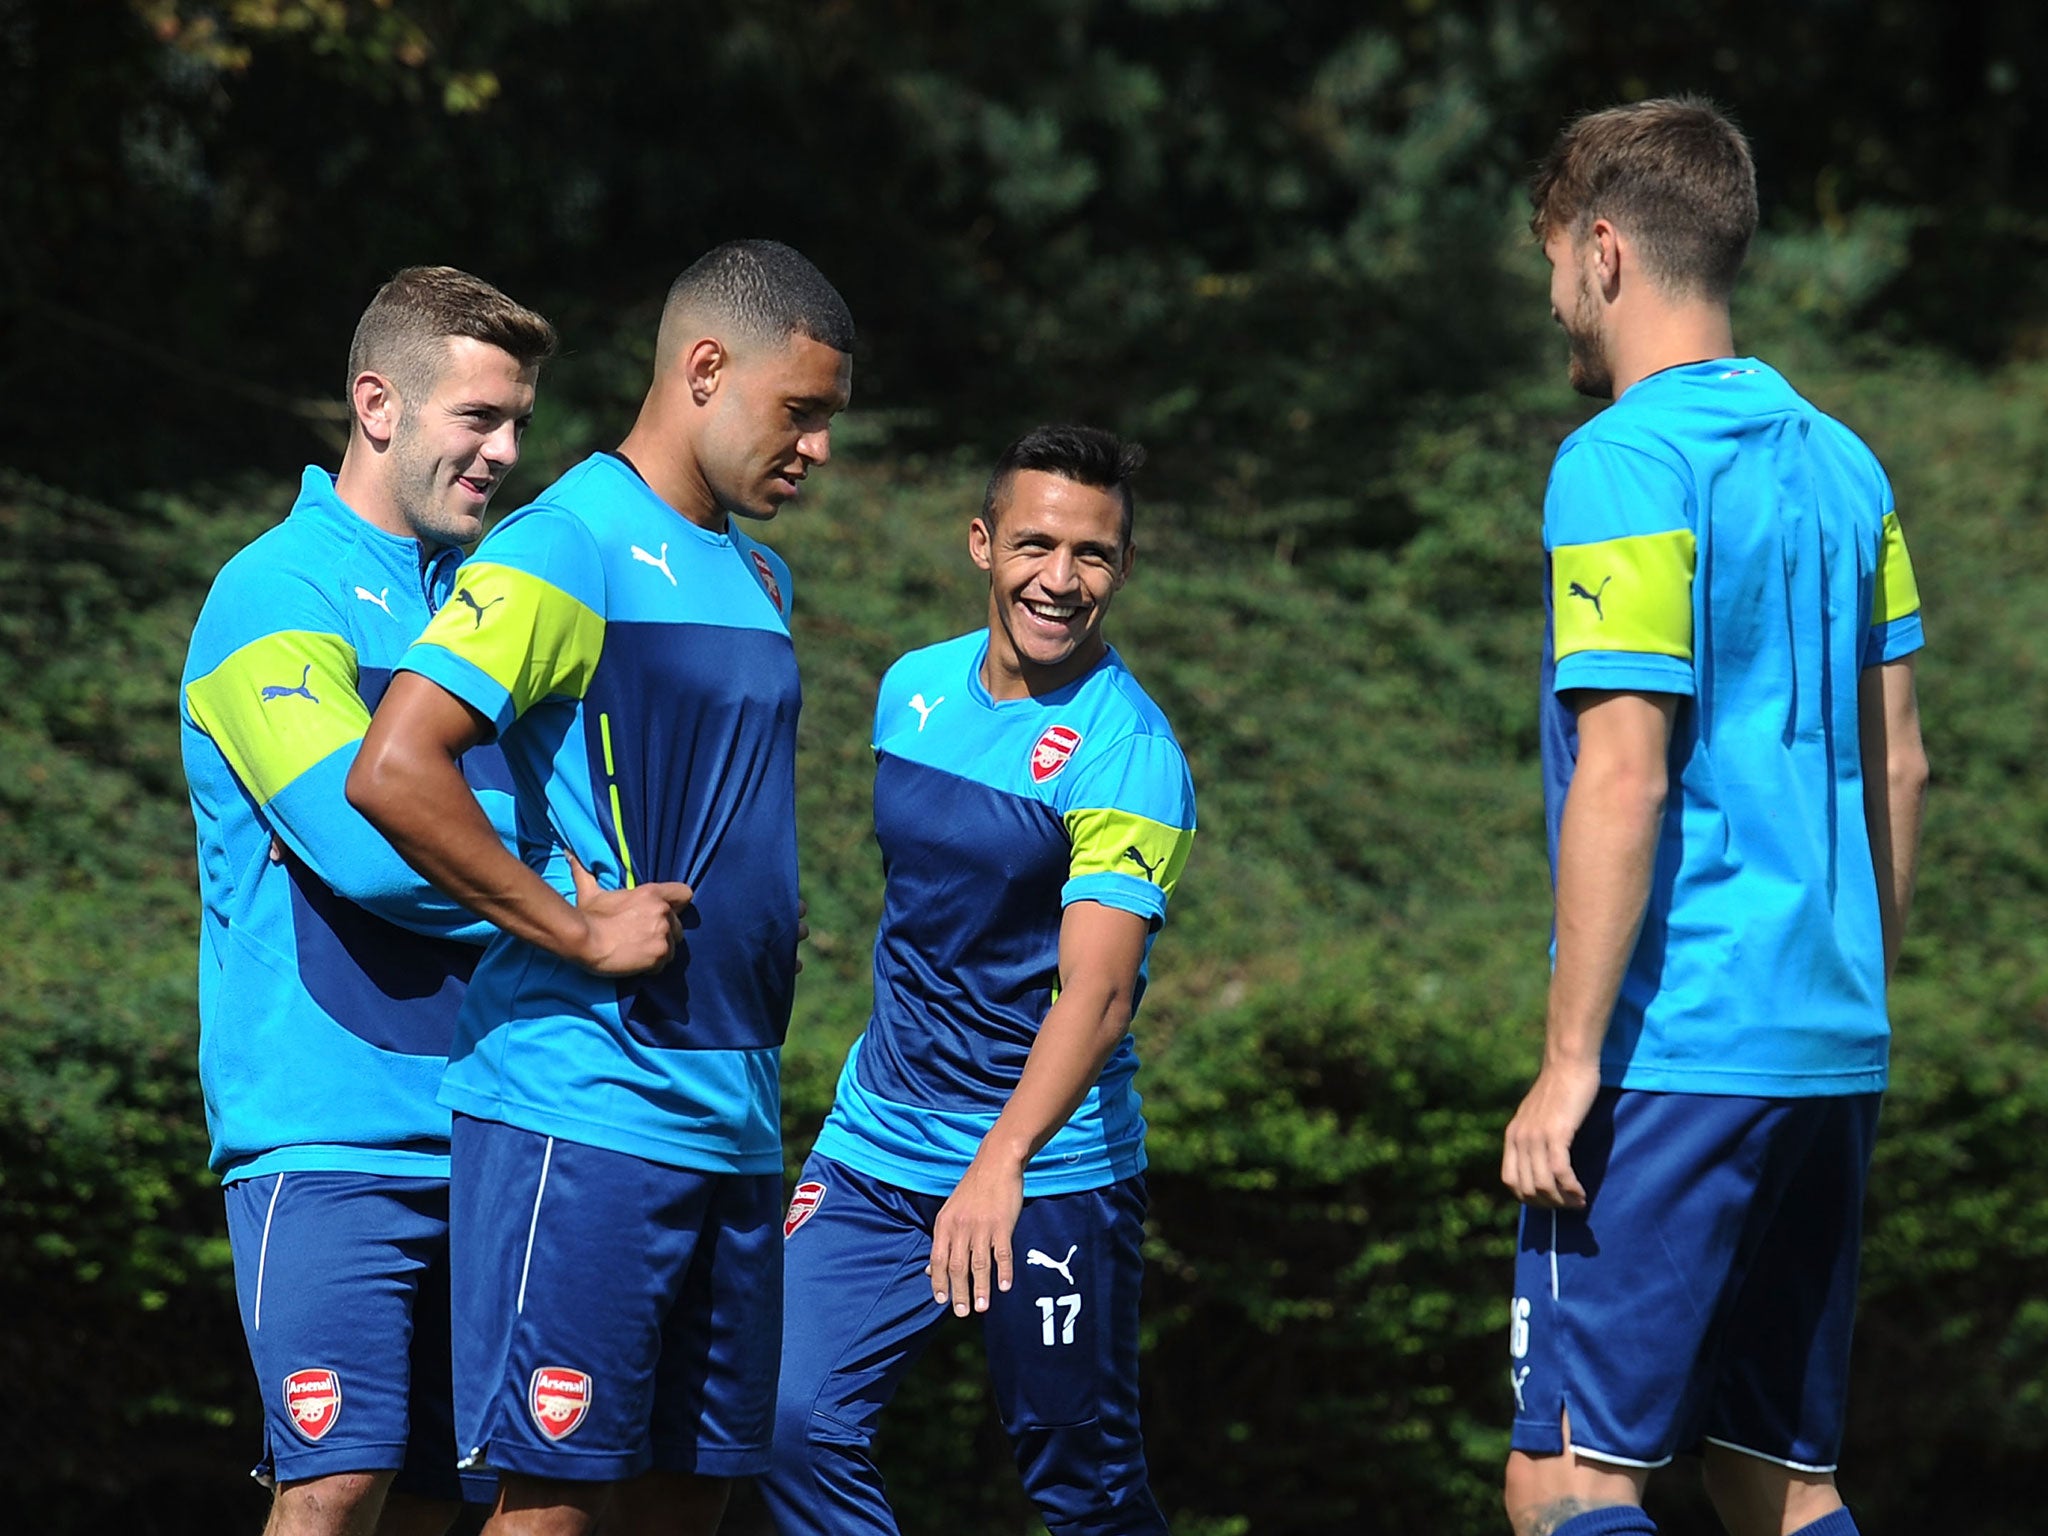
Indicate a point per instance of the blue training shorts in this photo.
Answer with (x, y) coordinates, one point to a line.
(343, 1285)
(611, 1314)
(1062, 1348)
(1708, 1290)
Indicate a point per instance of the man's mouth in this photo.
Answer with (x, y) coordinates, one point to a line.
(1052, 613)
(477, 486)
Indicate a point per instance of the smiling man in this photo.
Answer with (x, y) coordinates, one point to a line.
(617, 1169)
(330, 973)
(985, 1152)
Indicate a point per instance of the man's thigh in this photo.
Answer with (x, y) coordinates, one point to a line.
(1782, 1388)
(857, 1304)
(1624, 1313)
(341, 1279)
(1063, 1356)
(611, 1314)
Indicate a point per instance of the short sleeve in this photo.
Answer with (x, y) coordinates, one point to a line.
(1617, 526)
(1130, 817)
(525, 621)
(1895, 629)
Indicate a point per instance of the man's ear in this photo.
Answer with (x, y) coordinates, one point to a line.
(704, 366)
(1130, 559)
(378, 407)
(1606, 249)
(981, 543)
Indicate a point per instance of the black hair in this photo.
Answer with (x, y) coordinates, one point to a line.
(1085, 455)
(767, 290)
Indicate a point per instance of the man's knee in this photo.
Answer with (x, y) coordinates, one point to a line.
(338, 1504)
(1755, 1497)
(1084, 1486)
(1542, 1493)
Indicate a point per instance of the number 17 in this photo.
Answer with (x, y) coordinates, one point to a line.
(1071, 1305)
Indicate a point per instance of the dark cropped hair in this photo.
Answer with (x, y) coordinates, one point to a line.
(400, 335)
(1085, 455)
(1674, 174)
(763, 289)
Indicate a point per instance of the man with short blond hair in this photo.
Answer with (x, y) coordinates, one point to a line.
(329, 972)
(1734, 777)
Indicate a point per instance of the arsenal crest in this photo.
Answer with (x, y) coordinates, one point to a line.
(767, 575)
(1051, 752)
(559, 1399)
(313, 1399)
(808, 1197)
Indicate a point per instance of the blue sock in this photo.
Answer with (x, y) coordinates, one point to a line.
(1840, 1523)
(1619, 1520)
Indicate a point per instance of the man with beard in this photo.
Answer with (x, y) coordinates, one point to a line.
(617, 1153)
(1734, 779)
(985, 1152)
(330, 973)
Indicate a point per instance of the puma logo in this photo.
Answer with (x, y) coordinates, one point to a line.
(660, 565)
(924, 710)
(1592, 597)
(1515, 1380)
(462, 596)
(303, 691)
(1137, 858)
(379, 598)
(1033, 1257)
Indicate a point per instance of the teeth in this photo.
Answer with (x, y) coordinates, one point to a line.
(1057, 612)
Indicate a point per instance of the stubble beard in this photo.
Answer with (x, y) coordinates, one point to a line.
(1590, 372)
(415, 489)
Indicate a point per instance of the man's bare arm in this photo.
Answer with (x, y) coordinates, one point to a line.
(407, 781)
(1101, 949)
(1606, 851)
(1894, 791)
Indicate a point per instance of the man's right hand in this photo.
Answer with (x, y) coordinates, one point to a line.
(628, 933)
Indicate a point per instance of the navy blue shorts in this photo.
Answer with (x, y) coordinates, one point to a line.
(1062, 1352)
(343, 1285)
(611, 1314)
(1707, 1292)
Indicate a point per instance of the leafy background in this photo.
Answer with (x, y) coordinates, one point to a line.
(1280, 243)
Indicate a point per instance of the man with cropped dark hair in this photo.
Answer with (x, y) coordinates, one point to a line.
(1034, 813)
(1081, 454)
(1733, 773)
(329, 972)
(617, 1156)
(758, 289)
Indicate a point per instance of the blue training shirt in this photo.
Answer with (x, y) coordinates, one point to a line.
(329, 977)
(992, 818)
(1715, 536)
(639, 673)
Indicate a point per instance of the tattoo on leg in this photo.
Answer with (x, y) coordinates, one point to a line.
(1544, 1519)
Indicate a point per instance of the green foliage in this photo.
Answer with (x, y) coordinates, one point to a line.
(1283, 245)
(110, 1227)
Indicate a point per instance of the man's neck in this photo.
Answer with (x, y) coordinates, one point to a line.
(662, 455)
(1007, 676)
(362, 490)
(1671, 338)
